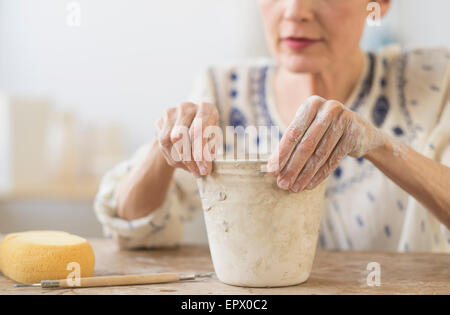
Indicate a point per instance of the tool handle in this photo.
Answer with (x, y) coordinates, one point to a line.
(116, 280)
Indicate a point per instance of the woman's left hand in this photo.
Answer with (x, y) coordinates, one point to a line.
(322, 133)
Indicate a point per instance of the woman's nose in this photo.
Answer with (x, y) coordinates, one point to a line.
(299, 10)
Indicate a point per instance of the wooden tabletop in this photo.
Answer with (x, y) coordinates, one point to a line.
(333, 273)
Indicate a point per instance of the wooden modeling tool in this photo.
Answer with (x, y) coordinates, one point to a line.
(106, 281)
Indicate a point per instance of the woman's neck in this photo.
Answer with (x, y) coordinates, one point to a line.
(336, 82)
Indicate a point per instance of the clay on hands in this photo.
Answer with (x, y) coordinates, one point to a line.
(322, 133)
(181, 138)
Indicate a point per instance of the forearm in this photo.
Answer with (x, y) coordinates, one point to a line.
(145, 188)
(426, 180)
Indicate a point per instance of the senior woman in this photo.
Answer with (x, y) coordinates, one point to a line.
(380, 133)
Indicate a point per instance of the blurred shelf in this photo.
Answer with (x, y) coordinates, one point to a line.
(80, 191)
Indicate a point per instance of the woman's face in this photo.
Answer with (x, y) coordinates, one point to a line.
(310, 35)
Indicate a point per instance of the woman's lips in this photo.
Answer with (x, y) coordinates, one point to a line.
(298, 43)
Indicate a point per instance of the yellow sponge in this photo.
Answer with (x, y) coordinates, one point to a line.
(30, 257)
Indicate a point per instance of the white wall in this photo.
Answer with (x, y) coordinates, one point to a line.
(424, 23)
(413, 23)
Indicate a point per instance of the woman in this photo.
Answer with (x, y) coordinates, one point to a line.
(380, 133)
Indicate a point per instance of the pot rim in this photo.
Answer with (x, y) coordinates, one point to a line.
(253, 166)
(248, 161)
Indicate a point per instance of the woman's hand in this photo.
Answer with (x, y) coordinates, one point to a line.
(180, 134)
(320, 136)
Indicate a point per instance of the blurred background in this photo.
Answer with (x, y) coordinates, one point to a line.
(82, 83)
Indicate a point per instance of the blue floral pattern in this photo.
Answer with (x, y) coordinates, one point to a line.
(237, 118)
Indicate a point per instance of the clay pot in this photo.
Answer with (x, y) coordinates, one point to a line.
(259, 235)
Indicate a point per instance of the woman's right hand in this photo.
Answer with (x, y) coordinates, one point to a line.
(181, 130)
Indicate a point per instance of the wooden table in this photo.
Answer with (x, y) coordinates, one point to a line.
(333, 273)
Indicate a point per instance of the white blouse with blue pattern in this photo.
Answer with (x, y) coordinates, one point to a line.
(403, 93)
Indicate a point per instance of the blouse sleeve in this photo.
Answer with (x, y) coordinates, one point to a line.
(164, 226)
(435, 235)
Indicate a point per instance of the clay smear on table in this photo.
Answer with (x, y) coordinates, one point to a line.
(259, 235)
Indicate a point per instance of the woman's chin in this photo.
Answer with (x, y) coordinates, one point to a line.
(301, 64)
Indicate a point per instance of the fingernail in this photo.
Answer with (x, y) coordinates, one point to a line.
(194, 172)
(296, 187)
(284, 184)
(203, 169)
(311, 185)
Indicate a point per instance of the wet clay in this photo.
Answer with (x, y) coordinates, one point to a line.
(259, 235)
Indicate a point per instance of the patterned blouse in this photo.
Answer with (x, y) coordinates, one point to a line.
(404, 93)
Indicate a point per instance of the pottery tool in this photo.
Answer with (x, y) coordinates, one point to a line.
(106, 281)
